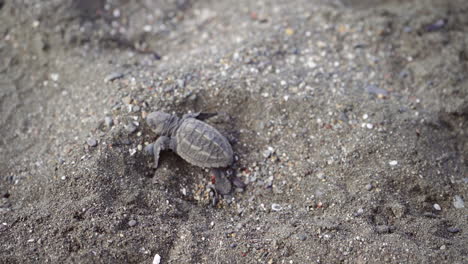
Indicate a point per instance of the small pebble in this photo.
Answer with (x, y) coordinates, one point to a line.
(157, 259)
(92, 142)
(458, 202)
(383, 229)
(321, 176)
(132, 223)
(54, 76)
(132, 151)
(302, 237)
(127, 100)
(108, 121)
(453, 229)
(112, 76)
(372, 89)
(181, 83)
(267, 153)
(276, 207)
(131, 128)
(439, 24)
(369, 187)
(233, 245)
(193, 97)
(407, 29)
(437, 207)
(147, 28)
(136, 108)
(359, 212)
(393, 163)
(140, 147)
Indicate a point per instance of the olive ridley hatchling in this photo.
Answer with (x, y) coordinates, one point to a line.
(195, 141)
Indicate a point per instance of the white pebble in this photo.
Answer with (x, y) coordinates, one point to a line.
(276, 207)
(393, 163)
(157, 259)
(458, 202)
(116, 13)
(147, 28)
(132, 151)
(369, 126)
(54, 76)
(365, 116)
(321, 175)
(437, 207)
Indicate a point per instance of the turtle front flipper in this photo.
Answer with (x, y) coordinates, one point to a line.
(200, 115)
(162, 143)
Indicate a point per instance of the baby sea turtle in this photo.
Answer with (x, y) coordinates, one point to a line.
(195, 141)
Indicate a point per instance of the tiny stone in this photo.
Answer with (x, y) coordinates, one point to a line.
(321, 176)
(147, 28)
(126, 141)
(267, 153)
(442, 247)
(276, 207)
(239, 190)
(407, 29)
(439, 24)
(458, 202)
(302, 237)
(132, 223)
(127, 100)
(193, 97)
(54, 76)
(131, 128)
(369, 187)
(398, 210)
(359, 212)
(108, 121)
(157, 259)
(437, 207)
(132, 151)
(233, 245)
(136, 108)
(393, 163)
(92, 142)
(453, 229)
(372, 89)
(369, 126)
(382, 229)
(112, 76)
(139, 147)
(168, 89)
(181, 83)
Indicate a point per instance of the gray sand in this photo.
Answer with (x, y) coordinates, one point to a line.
(348, 119)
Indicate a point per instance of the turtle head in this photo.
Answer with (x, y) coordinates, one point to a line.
(162, 123)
